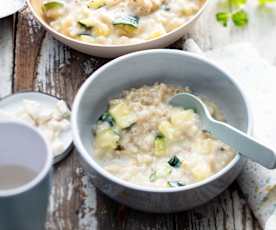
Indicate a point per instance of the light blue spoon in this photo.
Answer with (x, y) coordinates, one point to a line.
(231, 136)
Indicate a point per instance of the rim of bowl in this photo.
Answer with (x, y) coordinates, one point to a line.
(39, 92)
(39, 176)
(48, 27)
(89, 158)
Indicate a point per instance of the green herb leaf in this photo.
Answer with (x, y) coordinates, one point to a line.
(223, 18)
(174, 162)
(240, 18)
(174, 184)
(236, 13)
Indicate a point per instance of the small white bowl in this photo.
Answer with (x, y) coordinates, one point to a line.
(11, 103)
(109, 51)
(147, 67)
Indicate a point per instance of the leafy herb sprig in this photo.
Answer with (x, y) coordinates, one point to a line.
(236, 12)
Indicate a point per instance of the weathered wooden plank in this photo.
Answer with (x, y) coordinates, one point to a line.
(44, 64)
(114, 216)
(29, 37)
(227, 211)
(6, 57)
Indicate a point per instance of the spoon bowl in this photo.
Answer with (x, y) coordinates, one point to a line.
(239, 141)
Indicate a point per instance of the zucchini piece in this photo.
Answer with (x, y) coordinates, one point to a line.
(107, 117)
(188, 11)
(153, 176)
(86, 38)
(132, 21)
(201, 171)
(101, 30)
(86, 23)
(161, 173)
(123, 115)
(52, 5)
(96, 4)
(179, 118)
(160, 145)
(127, 25)
(107, 139)
(166, 171)
(87, 33)
(167, 130)
(155, 34)
(174, 162)
(126, 30)
(174, 184)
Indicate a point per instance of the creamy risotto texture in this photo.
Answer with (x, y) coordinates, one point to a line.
(118, 21)
(144, 140)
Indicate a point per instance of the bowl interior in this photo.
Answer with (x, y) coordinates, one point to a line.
(148, 67)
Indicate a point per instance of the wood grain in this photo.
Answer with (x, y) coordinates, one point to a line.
(6, 57)
(44, 64)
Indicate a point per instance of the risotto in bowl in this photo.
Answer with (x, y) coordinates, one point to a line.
(144, 140)
(145, 153)
(110, 28)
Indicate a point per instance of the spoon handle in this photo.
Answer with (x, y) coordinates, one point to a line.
(243, 144)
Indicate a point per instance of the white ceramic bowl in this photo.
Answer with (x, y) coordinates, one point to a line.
(109, 51)
(148, 67)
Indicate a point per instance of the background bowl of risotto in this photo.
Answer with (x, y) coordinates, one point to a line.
(135, 70)
(110, 28)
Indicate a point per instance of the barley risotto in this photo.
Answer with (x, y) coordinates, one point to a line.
(144, 140)
(118, 21)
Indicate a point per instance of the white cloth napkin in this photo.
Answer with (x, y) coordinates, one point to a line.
(257, 78)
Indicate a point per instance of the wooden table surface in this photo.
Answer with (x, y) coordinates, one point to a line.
(32, 60)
